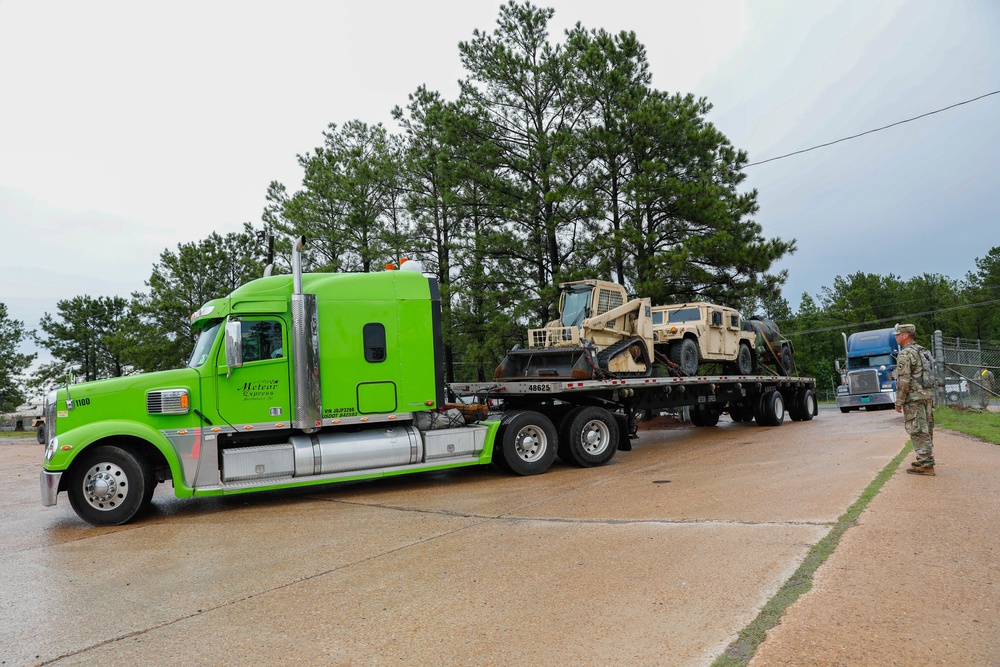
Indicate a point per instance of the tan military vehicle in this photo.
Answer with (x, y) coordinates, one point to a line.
(689, 334)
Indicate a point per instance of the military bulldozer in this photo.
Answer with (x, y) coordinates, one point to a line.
(600, 333)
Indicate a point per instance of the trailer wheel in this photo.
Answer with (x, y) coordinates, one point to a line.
(589, 437)
(702, 415)
(109, 486)
(772, 409)
(684, 353)
(805, 403)
(527, 443)
(741, 413)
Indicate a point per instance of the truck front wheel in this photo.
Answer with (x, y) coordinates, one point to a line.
(525, 443)
(589, 437)
(109, 486)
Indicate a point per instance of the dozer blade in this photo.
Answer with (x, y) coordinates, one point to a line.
(558, 363)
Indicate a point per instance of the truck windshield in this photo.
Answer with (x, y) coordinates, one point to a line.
(685, 315)
(872, 362)
(204, 345)
(575, 307)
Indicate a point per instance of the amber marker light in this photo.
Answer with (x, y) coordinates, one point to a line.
(428, 403)
(248, 427)
(185, 401)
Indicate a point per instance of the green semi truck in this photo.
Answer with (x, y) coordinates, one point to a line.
(319, 378)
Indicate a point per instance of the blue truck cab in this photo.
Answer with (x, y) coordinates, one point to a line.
(869, 378)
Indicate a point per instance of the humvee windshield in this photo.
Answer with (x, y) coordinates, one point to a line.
(685, 315)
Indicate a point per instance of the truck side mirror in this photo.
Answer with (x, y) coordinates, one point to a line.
(234, 344)
(836, 364)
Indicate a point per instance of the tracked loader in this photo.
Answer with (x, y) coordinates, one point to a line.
(599, 334)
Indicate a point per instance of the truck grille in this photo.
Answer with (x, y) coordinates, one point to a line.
(863, 382)
(167, 402)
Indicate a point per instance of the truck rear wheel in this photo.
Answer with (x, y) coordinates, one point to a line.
(525, 443)
(589, 437)
(684, 354)
(109, 486)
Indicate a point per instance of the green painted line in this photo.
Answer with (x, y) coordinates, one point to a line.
(742, 650)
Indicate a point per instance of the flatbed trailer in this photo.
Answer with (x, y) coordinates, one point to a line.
(765, 399)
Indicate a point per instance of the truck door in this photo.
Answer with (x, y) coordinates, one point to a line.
(256, 393)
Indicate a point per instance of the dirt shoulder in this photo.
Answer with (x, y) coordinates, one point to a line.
(916, 581)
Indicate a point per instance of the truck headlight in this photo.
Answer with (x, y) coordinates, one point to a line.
(50, 448)
(887, 386)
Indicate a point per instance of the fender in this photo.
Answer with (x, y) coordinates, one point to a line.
(71, 443)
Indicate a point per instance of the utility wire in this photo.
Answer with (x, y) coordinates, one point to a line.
(896, 318)
(878, 129)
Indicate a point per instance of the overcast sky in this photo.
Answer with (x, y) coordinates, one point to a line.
(129, 127)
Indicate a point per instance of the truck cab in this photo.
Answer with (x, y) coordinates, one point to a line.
(868, 378)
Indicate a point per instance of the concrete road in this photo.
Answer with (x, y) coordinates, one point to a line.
(659, 558)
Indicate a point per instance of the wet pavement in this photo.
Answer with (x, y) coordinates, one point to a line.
(658, 558)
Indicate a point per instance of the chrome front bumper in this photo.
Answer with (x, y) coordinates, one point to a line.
(49, 482)
(863, 400)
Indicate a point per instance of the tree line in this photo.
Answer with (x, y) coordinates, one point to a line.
(557, 161)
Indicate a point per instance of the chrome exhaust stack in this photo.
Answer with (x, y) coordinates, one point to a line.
(304, 336)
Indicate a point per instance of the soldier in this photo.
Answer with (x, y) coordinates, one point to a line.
(915, 397)
(987, 382)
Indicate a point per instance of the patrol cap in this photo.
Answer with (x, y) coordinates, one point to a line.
(907, 329)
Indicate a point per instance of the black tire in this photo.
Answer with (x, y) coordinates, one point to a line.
(787, 365)
(741, 413)
(684, 354)
(845, 410)
(807, 405)
(793, 408)
(526, 444)
(702, 415)
(109, 486)
(744, 361)
(772, 412)
(588, 437)
(953, 397)
(40, 434)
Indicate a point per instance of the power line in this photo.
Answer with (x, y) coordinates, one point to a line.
(877, 129)
(896, 318)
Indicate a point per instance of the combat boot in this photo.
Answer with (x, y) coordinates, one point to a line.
(921, 470)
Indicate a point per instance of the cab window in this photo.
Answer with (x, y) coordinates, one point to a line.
(262, 340)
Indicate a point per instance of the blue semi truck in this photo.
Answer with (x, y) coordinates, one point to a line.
(869, 378)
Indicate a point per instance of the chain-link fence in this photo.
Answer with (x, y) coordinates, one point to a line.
(968, 371)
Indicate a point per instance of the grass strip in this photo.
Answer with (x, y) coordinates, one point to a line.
(978, 424)
(745, 646)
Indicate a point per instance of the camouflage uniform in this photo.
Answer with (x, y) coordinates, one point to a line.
(987, 382)
(917, 402)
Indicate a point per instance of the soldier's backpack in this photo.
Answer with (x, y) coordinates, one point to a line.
(927, 374)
